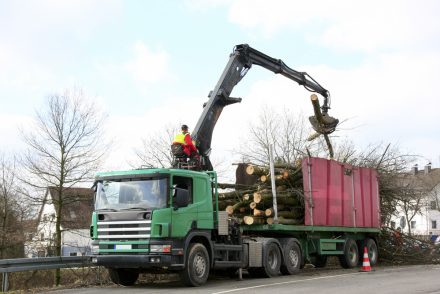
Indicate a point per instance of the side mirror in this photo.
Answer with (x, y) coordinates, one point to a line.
(182, 198)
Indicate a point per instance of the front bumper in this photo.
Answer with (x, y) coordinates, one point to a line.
(149, 261)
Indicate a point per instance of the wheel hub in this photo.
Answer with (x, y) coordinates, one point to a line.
(293, 257)
(199, 265)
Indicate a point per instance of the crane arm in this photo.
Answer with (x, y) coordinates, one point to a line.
(240, 61)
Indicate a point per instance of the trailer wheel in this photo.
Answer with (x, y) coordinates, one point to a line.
(196, 271)
(351, 254)
(123, 277)
(373, 252)
(292, 258)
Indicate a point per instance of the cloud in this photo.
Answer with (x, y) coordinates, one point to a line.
(343, 25)
(204, 5)
(51, 19)
(148, 65)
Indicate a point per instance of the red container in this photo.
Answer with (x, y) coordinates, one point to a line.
(340, 195)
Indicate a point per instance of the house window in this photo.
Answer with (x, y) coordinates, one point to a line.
(413, 224)
(393, 225)
(73, 254)
(42, 237)
(433, 205)
(434, 224)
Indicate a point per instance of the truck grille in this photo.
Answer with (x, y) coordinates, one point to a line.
(124, 230)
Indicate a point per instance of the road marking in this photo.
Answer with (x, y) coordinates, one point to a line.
(282, 283)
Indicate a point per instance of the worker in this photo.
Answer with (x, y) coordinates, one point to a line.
(184, 139)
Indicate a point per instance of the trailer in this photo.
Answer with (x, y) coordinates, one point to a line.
(156, 220)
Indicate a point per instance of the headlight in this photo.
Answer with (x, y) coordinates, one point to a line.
(160, 248)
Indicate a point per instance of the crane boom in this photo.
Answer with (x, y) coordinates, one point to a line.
(240, 61)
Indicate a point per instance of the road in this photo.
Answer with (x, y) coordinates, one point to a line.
(405, 279)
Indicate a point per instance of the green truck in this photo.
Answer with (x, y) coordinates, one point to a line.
(167, 219)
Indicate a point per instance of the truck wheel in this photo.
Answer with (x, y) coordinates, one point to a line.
(272, 264)
(319, 260)
(351, 254)
(373, 252)
(292, 258)
(196, 271)
(123, 277)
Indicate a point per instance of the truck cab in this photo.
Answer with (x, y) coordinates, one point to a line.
(148, 219)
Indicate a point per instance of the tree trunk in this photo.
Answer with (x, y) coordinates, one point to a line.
(58, 234)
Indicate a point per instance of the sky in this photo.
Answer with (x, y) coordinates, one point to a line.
(151, 64)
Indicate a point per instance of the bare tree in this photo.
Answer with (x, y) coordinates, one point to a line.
(155, 151)
(65, 148)
(286, 131)
(289, 133)
(12, 211)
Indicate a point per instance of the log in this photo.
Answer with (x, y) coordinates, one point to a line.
(313, 136)
(234, 186)
(256, 170)
(231, 208)
(233, 195)
(292, 174)
(224, 203)
(267, 180)
(251, 220)
(269, 212)
(281, 188)
(294, 213)
(287, 198)
(246, 197)
(284, 221)
(321, 122)
(258, 212)
(257, 197)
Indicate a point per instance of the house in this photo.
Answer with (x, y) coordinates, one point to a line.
(423, 212)
(76, 214)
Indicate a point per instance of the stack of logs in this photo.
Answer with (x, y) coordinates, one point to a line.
(253, 204)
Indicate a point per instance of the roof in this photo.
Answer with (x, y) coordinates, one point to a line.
(422, 181)
(77, 207)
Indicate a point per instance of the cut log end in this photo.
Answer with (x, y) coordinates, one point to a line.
(250, 169)
(257, 197)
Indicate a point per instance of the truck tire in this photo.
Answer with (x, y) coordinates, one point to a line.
(350, 257)
(271, 262)
(319, 260)
(373, 252)
(196, 271)
(122, 276)
(292, 258)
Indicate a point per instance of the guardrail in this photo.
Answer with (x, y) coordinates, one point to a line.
(40, 263)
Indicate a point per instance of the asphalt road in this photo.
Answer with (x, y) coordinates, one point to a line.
(407, 279)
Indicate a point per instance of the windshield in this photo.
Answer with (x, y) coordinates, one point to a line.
(142, 194)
